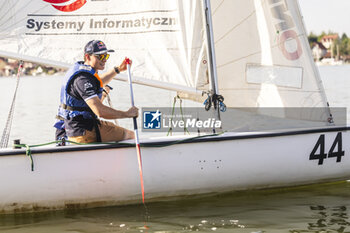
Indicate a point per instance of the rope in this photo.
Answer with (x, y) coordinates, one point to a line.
(6, 133)
(29, 151)
(182, 117)
(172, 115)
(171, 118)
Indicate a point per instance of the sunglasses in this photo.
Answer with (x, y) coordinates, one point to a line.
(102, 57)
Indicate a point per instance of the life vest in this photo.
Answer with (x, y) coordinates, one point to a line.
(71, 107)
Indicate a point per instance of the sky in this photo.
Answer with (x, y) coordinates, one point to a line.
(325, 15)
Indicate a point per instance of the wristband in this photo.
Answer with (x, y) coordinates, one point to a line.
(116, 70)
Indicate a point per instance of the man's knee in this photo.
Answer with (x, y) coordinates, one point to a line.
(129, 134)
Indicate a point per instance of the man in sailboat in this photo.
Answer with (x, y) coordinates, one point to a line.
(81, 100)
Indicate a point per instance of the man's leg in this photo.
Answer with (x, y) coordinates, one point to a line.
(110, 132)
(88, 137)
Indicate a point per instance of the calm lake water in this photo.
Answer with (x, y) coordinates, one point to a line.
(318, 208)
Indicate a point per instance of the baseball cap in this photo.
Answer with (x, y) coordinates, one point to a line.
(96, 47)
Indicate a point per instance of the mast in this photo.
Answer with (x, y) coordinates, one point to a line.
(212, 58)
(211, 47)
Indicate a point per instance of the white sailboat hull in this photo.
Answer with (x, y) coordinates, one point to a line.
(103, 175)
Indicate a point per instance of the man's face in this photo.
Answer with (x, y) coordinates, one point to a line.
(98, 61)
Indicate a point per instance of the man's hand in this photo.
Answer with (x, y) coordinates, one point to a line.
(133, 112)
(123, 66)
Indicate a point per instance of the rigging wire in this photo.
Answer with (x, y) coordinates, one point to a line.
(7, 130)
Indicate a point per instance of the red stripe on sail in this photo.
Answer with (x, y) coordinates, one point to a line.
(71, 7)
(56, 1)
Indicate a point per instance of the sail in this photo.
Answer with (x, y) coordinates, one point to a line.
(263, 56)
(165, 39)
(262, 53)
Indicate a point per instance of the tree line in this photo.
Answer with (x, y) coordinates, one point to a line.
(342, 44)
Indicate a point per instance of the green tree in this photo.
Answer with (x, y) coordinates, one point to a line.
(347, 47)
(320, 36)
(344, 45)
(344, 36)
(312, 38)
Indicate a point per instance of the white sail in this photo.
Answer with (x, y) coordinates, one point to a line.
(262, 54)
(263, 57)
(165, 39)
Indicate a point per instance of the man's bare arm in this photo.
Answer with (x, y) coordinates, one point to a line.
(106, 112)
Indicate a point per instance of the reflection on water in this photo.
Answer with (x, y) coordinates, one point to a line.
(316, 209)
(328, 219)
